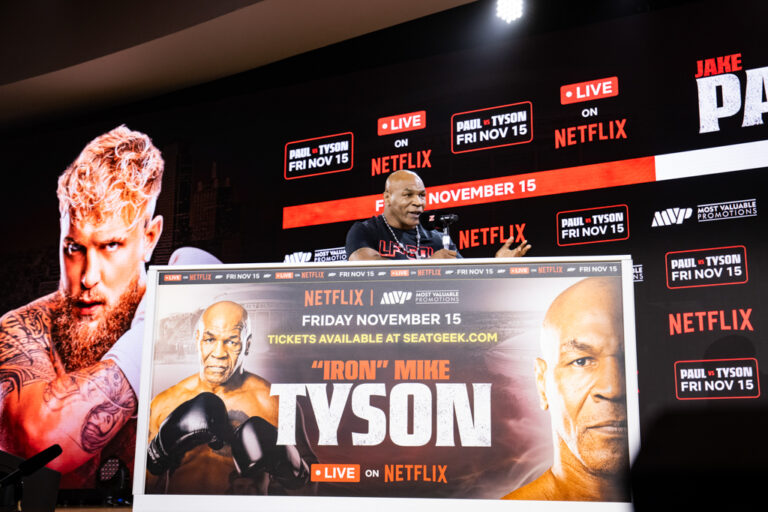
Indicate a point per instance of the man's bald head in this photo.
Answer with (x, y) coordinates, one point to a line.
(589, 297)
(398, 178)
(226, 312)
(223, 336)
(404, 199)
(580, 376)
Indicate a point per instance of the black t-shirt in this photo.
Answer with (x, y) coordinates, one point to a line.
(373, 233)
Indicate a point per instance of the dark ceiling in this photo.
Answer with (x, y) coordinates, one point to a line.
(64, 56)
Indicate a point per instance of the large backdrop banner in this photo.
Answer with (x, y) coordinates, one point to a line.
(643, 135)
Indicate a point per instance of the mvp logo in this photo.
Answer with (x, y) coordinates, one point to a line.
(298, 257)
(396, 297)
(671, 216)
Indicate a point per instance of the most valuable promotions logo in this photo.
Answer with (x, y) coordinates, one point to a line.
(396, 297)
(298, 257)
(671, 216)
(726, 210)
(718, 80)
(331, 254)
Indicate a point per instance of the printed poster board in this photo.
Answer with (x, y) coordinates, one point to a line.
(385, 384)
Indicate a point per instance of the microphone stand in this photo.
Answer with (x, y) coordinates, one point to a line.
(11, 485)
(446, 221)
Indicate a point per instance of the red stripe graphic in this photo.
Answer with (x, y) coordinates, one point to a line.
(556, 181)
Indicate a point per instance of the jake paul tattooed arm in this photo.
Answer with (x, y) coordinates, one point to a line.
(41, 404)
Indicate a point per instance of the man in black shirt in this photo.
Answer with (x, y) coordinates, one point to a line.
(397, 234)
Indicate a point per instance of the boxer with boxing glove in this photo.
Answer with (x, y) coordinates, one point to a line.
(222, 336)
(255, 449)
(200, 420)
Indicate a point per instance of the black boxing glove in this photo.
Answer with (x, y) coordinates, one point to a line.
(202, 419)
(255, 448)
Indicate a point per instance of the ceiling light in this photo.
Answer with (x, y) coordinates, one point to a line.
(509, 10)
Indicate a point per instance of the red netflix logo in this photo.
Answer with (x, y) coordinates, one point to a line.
(402, 123)
(491, 235)
(588, 91)
(713, 320)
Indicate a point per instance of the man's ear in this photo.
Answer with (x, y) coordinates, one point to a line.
(152, 235)
(386, 197)
(540, 368)
(248, 345)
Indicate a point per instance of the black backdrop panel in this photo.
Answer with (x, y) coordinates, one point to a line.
(226, 145)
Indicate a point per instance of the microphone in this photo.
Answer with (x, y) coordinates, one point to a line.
(433, 220)
(32, 464)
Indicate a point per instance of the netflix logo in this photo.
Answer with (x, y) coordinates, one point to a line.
(402, 123)
(491, 235)
(588, 91)
(410, 160)
(708, 321)
(590, 132)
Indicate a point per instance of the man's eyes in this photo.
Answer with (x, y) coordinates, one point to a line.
(112, 246)
(71, 248)
(232, 342)
(583, 362)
